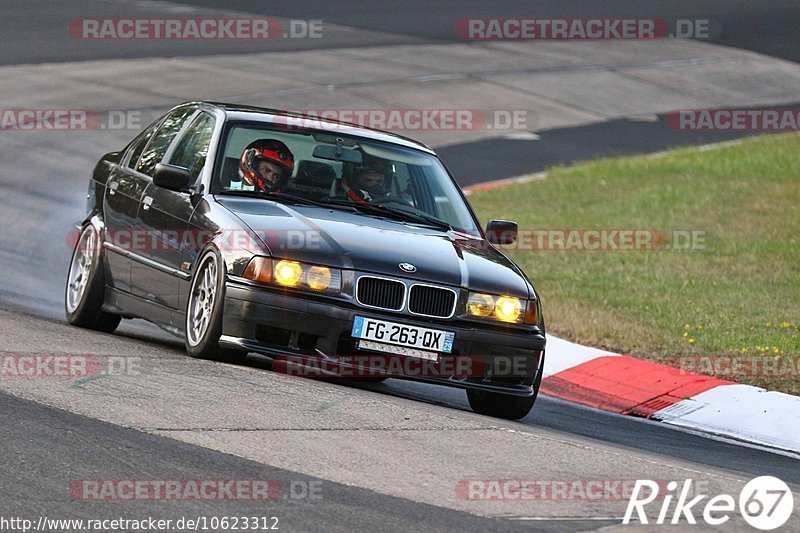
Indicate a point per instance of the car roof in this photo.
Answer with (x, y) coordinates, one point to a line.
(311, 122)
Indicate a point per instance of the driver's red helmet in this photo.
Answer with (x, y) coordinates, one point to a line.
(270, 150)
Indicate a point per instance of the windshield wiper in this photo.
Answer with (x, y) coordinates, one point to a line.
(423, 218)
(401, 214)
(293, 198)
(372, 209)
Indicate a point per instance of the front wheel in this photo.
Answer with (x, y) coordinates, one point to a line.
(85, 290)
(203, 326)
(506, 406)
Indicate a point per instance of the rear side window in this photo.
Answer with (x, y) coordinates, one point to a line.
(192, 149)
(158, 146)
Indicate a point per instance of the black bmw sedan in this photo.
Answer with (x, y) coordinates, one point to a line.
(334, 249)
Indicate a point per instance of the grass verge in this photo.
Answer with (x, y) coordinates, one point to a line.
(717, 291)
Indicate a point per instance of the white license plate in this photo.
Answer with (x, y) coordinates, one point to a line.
(371, 329)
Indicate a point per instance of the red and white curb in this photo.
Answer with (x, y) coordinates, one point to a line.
(631, 386)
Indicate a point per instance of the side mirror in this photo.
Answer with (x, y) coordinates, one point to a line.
(501, 231)
(171, 177)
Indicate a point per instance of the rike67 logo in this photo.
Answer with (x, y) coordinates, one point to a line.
(766, 503)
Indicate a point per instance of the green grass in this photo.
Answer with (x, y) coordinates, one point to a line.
(739, 295)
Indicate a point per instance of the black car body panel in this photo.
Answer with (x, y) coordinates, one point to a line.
(347, 240)
(153, 281)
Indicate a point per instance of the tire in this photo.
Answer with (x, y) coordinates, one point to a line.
(506, 406)
(85, 288)
(204, 309)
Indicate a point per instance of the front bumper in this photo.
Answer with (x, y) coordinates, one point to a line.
(303, 332)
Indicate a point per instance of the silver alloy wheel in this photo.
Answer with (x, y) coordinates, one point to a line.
(81, 268)
(201, 300)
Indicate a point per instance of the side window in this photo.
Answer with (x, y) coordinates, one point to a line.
(158, 146)
(138, 145)
(192, 149)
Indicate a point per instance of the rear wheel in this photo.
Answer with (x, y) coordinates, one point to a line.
(506, 406)
(85, 290)
(204, 310)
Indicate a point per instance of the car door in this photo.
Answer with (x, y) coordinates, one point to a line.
(165, 214)
(144, 273)
(124, 190)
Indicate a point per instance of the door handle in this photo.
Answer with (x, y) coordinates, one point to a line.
(112, 188)
(147, 201)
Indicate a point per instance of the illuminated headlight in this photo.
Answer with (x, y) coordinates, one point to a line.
(503, 308)
(508, 309)
(287, 273)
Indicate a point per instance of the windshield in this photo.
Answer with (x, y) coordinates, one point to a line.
(369, 177)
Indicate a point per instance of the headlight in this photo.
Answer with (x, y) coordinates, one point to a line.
(318, 278)
(503, 308)
(508, 309)
(480, 304)
(293, 274)
(288, 273)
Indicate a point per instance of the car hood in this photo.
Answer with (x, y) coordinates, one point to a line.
(344, 239)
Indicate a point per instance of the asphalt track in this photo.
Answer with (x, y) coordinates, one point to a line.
(51, 448)
(35, 32)
(562, 146)
(47, 448)
(152, 427)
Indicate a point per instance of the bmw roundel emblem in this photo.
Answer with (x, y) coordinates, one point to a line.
(407, 267)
